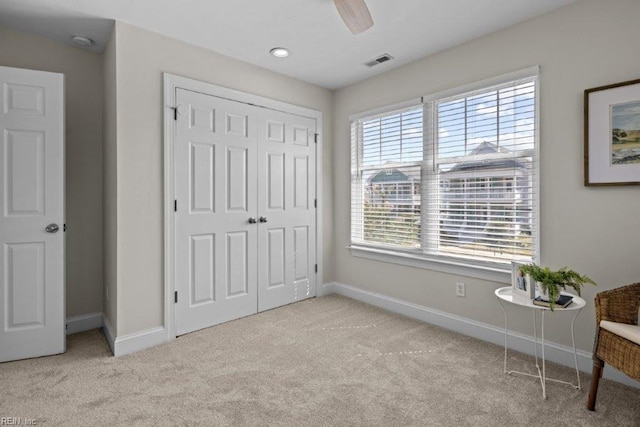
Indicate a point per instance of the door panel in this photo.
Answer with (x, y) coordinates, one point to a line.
(202, 118)
(275, 131)
(301, 135)
(301, 253)
(301, 272)
(237, 171)
(237, 124)
(301, 182)
(24, 100)
(237, 264)
(286, 241)
(275, 181)
(25, 285)
(32, 320)
(215, 178)
(24, 166)
(203, 194)
(203, 282)
(276, 257)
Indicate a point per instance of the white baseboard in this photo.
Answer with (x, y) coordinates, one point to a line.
(132, 343)
(325, 289)
(83, 322)
(138, 341)
(557, 353)
(109, 333)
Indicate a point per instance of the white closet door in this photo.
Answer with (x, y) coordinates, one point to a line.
(216, 239)
(31, 199)
(287, 215)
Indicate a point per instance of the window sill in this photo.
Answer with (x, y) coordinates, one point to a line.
(499, 274)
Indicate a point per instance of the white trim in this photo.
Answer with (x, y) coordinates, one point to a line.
(83, 322)
(452, 266)
(171, 83)
(536, 208)
(109, 333)
(557, 353)
(415, 102)
(138, 341)
(483, 84)
(131, 343)
(320, 206)
(325, 289)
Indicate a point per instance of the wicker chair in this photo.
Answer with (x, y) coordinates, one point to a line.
(621, 306)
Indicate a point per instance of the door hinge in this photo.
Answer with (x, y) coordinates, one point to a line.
(316, 268)
(175, 297)
(315, 203)
(316, 137)
(175, 113)
(175, 206)
(64, 227)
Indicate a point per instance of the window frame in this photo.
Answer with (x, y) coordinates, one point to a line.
(464, 266)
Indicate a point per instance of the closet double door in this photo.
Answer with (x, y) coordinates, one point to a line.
(245, 220)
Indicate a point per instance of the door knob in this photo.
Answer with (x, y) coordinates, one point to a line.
(52, 228)
(263, 219)
(252, 220)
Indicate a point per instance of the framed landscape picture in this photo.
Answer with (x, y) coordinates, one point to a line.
(612, 134)
(521, 283)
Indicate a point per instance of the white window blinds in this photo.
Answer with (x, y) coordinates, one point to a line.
(452, 178)
(482, 200)
(387, 153)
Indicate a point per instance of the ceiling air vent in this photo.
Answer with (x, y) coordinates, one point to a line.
(379, 60)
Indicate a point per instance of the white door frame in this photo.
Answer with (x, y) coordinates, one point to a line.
(173, 82)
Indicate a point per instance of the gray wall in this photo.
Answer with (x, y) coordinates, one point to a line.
(593, 230)
(83, 156)
(141, 58)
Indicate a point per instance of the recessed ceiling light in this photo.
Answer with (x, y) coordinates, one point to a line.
(279, 52)
(82, 41)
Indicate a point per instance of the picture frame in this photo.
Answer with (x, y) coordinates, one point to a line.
(612, 134)
(521, 284)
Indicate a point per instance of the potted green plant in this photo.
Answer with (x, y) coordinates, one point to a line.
(551, 281)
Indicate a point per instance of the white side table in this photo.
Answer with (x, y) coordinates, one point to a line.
(506, 295)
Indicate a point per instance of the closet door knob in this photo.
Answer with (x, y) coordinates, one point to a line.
(263, 219)
(252, 220)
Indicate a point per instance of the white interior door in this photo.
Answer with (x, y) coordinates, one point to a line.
(31, 198)
(286, 208)
(216, 227)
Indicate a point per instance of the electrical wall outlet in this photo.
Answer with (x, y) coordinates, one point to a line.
(460, 290)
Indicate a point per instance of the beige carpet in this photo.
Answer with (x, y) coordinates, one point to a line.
(326, 361)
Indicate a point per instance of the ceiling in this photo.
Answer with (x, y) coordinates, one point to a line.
(323, 51)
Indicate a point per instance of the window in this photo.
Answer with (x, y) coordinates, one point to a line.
(453, 177)
(387, 161)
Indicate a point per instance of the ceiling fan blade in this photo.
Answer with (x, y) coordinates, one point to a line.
(355, 14)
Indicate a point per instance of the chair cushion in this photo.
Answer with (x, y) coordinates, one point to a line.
(626, 331)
